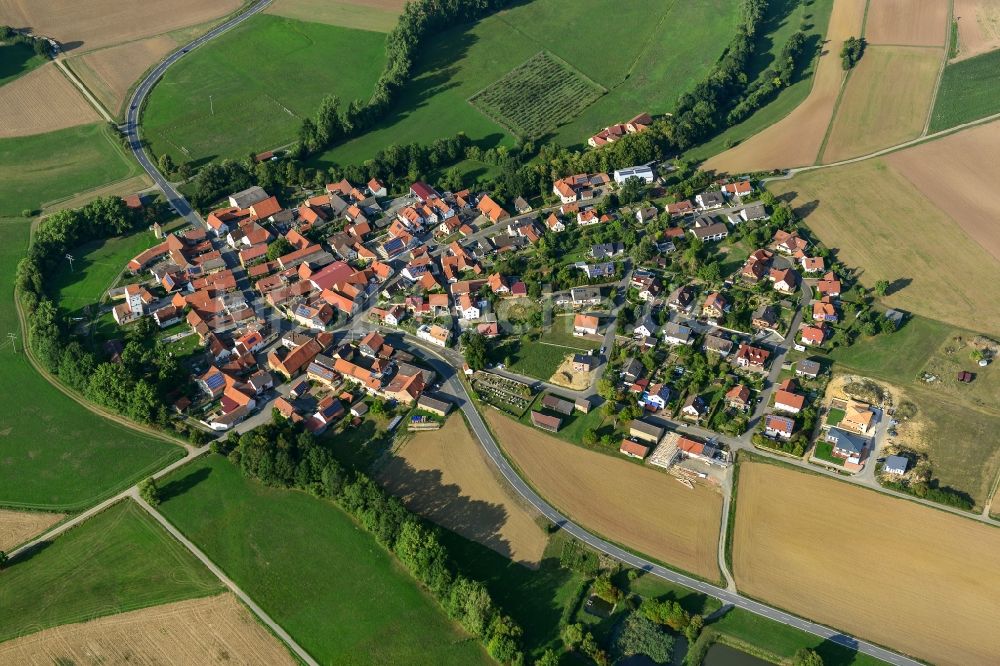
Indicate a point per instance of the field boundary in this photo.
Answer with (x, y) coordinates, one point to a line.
(83, 90)
(950, 34)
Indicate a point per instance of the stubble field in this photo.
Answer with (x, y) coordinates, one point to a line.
(878, 221)
(956, 174)
(377, 15)
(82, 26)
(109, 73)
(795, 140)
(211, 630)
(17, 527)
(911, 22)
(886, 101)
(43, 100)
(909, 577)
(635, 506)
(978, 26)
(444, 475)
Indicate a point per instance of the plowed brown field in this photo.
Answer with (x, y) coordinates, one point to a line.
(212, 630)
(795, 140)
(978, 26)
(42, 100)
(83, 26)
(110, 72)
(886, 101)
(878, 221)
(445, 476)
(910, 577)
(635, 506)
(958, 173)
(16, 527)
(907, 22)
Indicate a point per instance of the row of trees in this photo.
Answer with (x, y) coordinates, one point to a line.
(284, 454)
(10, 36)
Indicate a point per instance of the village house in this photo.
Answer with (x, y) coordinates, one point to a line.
(753, 212)
(715, 306)
(681, 298)
(645, 214)
(694, 408)
(554, 224)
(756, 266)
(765, 318)
(680, 208)
(812, 335)
(738, 397)
(789, 243)
(846, 445)
(778, 427)
(612, 133)
(677, 334)
(634, 449)
(585, 325)
(829, 285)
(812, 264)
(584, 362)
(709, 230)
(751, 358)
(895, 465)
(717, 344)
(807, 368)
(643, 173)
(785, 280)
(858, 417)
(645, 431)
(434, 334)
(655, 397)
(710, 200)
(645, 328)
(738, 189)
(787, 400)
(824, 310)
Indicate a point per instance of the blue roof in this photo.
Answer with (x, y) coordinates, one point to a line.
(215, 380)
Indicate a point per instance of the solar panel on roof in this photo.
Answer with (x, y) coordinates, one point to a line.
(215, 381)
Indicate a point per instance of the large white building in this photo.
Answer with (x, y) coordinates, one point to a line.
(644, 173)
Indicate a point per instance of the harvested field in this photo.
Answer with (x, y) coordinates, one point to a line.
(978, 26)
(84, 26)
(886, 101)
(907, 22)
(446, 477)
(954, 173)
(42, 100)
(881, 223)
(109, 73)
(16, 527)
(888, 570)
(377, 15)
(795, 140)
(601, 493)
(212, 630)
(119, 188)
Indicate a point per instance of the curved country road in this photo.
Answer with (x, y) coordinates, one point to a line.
(447, 369)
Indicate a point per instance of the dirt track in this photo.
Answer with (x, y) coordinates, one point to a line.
(199, 631)
(445, 476)
(84, 26)
(638, 507)
(888, 570)
(795, 140)
(907, 22)
(43, 100)
(16, 527)
(958, 173)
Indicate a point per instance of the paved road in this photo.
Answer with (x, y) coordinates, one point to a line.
(142, 91)
(452, 385)
(244, 597)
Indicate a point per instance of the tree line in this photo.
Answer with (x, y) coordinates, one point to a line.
(283, 454)
(38, 44)
(137, 386)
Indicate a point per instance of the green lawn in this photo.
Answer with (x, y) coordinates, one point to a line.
(824, 451)
(17, 60)
(95, 267)
(646, 56)
(783, 641)
(834, 417)
(533, 359)
(898, 357)
(785, 17)
(968, 91)
(561, 333)
(261, 78)
(322, 578)
(117, 561)
(44, 167)
(54, 453)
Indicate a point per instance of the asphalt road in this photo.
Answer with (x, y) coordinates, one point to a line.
(139, 97)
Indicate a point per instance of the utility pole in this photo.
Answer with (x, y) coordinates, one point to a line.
(69, 257)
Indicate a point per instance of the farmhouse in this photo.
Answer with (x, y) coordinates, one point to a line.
(614, 132)
(645, 431)
(634, 449)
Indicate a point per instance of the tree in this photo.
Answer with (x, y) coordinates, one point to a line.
(851, 52)
(605, 589)
(280, 247)
(474, 350)
(166, 164)
(694, 628)
(807, 657)
(572, 635)
(640, 635)
(149, 492)
(881, 287)
(3, 559)
(549, 658)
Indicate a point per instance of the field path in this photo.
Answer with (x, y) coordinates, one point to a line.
(83, 90)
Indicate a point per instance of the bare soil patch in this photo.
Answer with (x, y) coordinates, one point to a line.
(16, 527)
(920, 580)
(907, 22)
(635, 506)
(377, 15)
(567, 377)
(795, 140)
(877, 220)
(958, 173)
(444, 475)
(84, 26)
(978, 26)
(110, 72)
(43, 100)
(198, 631)
(886, 101)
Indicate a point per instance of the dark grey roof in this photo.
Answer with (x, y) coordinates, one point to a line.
(893, 463)
(845, 441)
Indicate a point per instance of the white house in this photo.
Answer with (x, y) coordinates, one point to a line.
(434, 334)
(645, 328)
(643, 173)
(677, 334)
